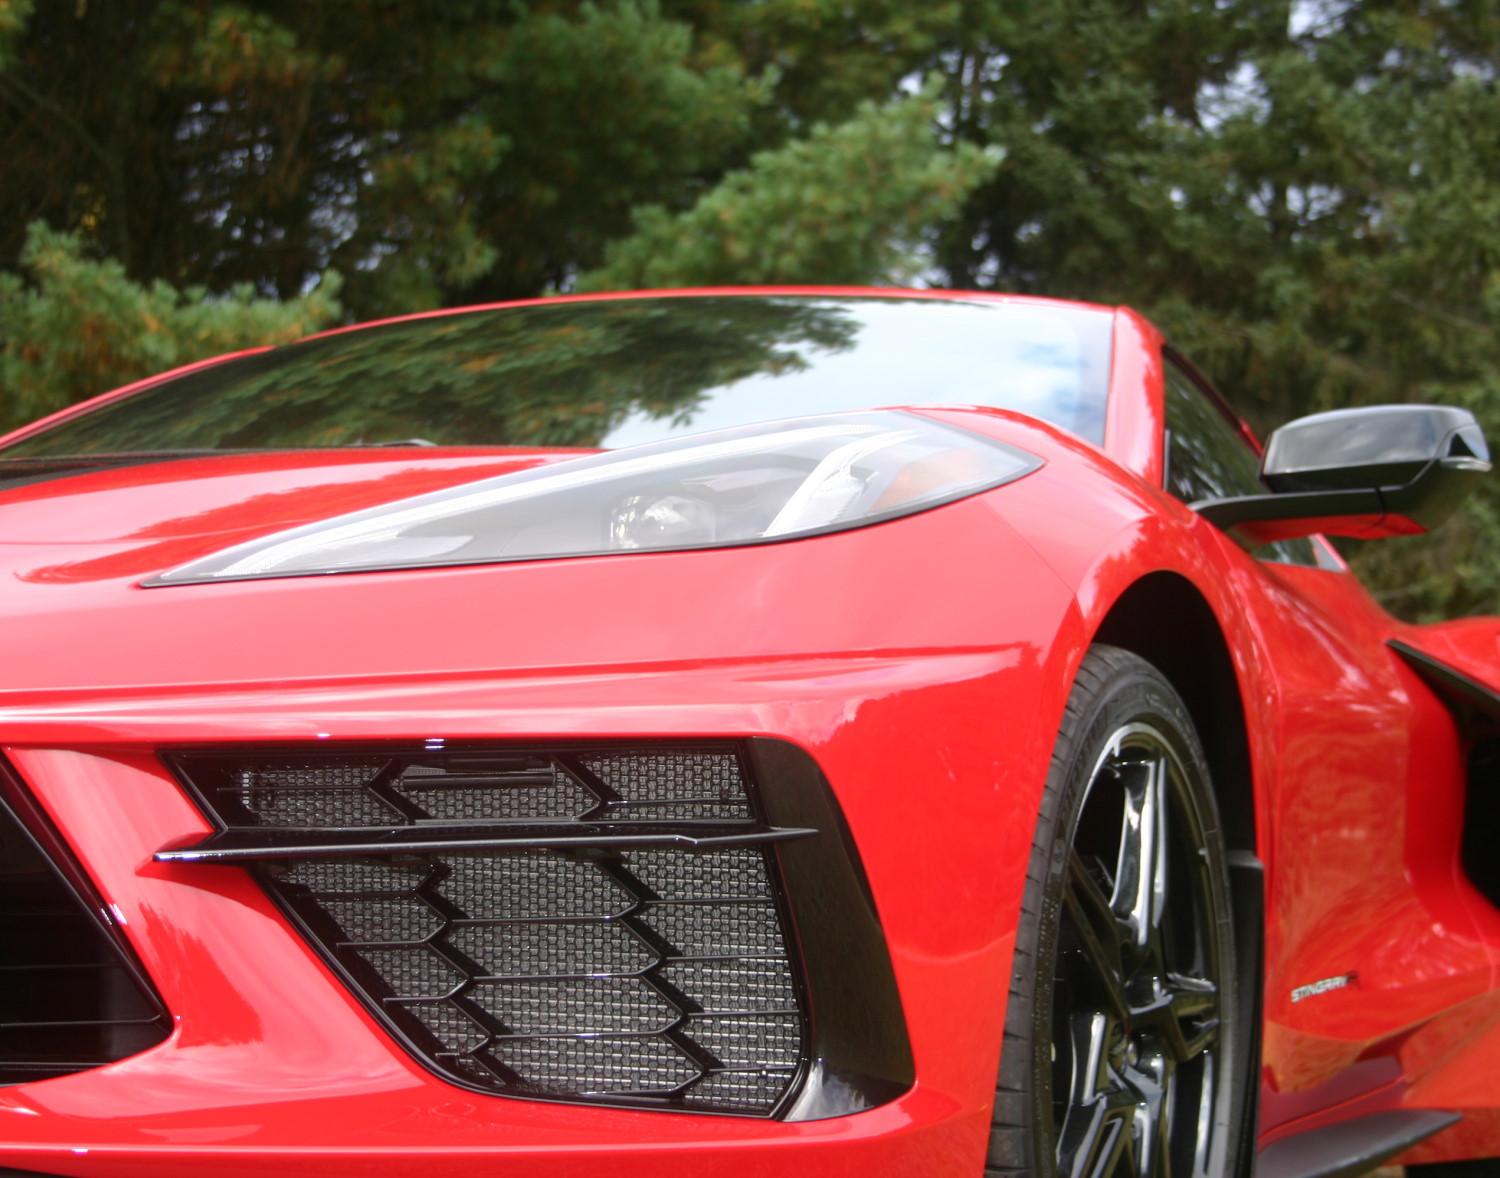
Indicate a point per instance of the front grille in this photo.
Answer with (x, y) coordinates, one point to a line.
(71, 997)
(572, 974)
(475, 788)
(596, 923)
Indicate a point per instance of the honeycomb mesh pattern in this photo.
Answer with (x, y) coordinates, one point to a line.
(694, 1001)
(353, 877)
(417, 972)
(376, 921)
(533, 885)
(688, 784)
(636, 975)
(648, 1066)
(542, 950)
(300, 775)
(747, 1091)
(451, 1027)
(525, 795)
(700, 930)
(734, 985)
(651, 811)
(737, 874)
(307, 793)
(748, 1041)
(322, 807)
(580, 1006)
(685, 776)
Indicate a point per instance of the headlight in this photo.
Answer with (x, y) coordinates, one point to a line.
(750, 485)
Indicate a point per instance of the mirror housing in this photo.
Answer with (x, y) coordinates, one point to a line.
(1386, 470)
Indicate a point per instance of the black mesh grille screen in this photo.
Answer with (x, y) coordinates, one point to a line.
(319, 791)
(569, 974)
(69, 1001)
(624, 973)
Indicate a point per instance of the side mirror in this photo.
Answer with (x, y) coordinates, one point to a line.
(1388, 470)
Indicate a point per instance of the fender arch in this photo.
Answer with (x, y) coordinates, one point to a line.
(1167, 621)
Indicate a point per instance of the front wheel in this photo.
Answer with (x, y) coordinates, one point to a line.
(1119, 1058)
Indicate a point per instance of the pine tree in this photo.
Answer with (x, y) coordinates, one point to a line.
(1305, 196)
(76, 326)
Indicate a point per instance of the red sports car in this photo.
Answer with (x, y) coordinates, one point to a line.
(778, 732)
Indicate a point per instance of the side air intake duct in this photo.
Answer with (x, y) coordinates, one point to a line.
(601, 923)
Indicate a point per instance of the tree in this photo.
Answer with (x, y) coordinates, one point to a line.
(846, 205)
(13, 17)
(1306, 197)
(81, 326)
(1303, 194)
(461, 152)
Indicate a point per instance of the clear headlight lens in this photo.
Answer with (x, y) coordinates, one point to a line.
(754, 484)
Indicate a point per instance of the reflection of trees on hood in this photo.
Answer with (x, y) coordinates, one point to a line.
(550, 375)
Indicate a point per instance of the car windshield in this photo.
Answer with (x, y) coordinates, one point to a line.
(613, 372)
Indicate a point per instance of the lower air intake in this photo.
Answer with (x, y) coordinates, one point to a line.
(71, 996)
(640, 974)
(594, 924)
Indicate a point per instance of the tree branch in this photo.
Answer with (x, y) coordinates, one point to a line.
(19, 89)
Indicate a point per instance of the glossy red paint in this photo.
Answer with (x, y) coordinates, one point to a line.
(134, 521)
(1469, 645)
(1133, 431)
(931, 702)
(833, 684)
(1349, 749)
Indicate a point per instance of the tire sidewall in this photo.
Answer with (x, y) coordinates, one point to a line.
(1113, 689)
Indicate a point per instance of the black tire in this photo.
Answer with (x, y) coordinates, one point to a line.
(1118, 1060)
(1474, 1168)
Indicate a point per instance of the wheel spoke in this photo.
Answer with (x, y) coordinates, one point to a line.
(1192, 997)
(1139, 1043)
(1090, 1042)
(1098, 933)
(1096, 1131)
(1140, 893)
(1096, 1137)
(1152, 1078)
(1183, 1012)
(1181, 1009)
(1191, 1025)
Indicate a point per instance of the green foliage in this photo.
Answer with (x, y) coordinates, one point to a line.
(462, 152)
(81, 326)
(845, 204)
(13, 17)
(1368, 268)
(1306, 195)
(825, 56)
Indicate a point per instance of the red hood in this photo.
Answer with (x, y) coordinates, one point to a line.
(135, 521)
(75, 620)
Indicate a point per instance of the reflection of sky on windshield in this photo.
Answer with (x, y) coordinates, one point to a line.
(1010, 356)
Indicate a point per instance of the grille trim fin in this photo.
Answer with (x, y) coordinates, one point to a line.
(239, 846)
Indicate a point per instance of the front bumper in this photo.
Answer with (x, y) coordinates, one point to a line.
(273, 1064)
